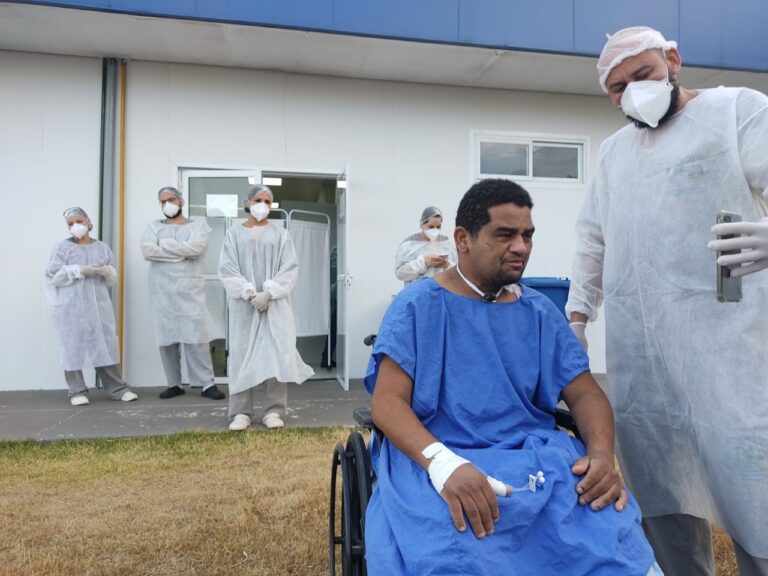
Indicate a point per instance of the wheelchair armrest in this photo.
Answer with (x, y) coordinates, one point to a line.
(363, 417)
(564, 419)
(369, 340)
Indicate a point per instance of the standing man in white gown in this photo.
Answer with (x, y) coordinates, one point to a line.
(687, 375)
(175, 247)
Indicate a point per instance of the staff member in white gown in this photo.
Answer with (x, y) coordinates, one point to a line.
(687, 375)
(175, 247)
(79, 275)
(427, 252)
(258, 268)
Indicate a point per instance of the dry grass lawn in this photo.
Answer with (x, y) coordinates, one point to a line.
(182, 505)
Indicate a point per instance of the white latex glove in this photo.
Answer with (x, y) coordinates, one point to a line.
(248, 293)
(435, 262)
(260, 301)
(104, 271)
(580, 330)
(444, 463)
(752, 239)
(89, 271)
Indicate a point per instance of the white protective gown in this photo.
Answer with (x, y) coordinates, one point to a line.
(687, 375)
(82, 307)
(176, 284)
(262, 344)
(409, 260)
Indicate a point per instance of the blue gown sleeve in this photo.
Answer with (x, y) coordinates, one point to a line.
(396, 339)
(562, 357)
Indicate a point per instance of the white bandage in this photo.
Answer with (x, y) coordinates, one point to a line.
(443, 464)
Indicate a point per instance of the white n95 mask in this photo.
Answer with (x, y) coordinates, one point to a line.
(647, 100)
(171, 210)
(259, 211)
(432, 233)
(78, 230)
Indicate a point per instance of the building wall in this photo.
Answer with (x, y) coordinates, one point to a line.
(406, 146)
(49, 160)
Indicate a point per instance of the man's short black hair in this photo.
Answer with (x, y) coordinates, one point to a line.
(473, 209)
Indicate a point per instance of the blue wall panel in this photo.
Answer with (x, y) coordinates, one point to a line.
(745, 33)
(316, 14)
(423, 19)
(543, 25)
(594, 18)
(717, 33)
(700, 39)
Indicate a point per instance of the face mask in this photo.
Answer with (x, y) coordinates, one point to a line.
(171, 210)
(647, 100)
(432, 233)
(259, 211)
(78, 230)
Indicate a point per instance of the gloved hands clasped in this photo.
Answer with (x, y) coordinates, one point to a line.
(751, 238)
(90, 270)
(260, 300)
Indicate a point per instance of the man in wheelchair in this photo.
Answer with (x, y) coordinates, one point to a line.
(473, 477)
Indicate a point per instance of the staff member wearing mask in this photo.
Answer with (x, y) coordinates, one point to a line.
(79, 273)
(427, 252)
(259, 268)
(687, 375)
(175, 247)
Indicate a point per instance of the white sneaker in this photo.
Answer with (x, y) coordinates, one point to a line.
(273, 420)
(240, 422)
(128, 396)
(79, 400)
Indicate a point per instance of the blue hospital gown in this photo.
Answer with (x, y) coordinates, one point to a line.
(487, 379)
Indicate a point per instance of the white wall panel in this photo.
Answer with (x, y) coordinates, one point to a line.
(49, 160)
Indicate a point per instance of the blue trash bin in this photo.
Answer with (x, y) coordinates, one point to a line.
(556, 289)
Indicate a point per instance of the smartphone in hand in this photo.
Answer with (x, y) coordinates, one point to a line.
(728, 287)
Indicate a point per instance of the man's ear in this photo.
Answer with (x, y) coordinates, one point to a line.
(674, 62)
(461, 237)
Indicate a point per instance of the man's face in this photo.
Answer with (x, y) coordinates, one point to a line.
(169, 197)
(648, 65)
(499, 253)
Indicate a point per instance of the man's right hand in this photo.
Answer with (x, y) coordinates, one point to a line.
(466, 490)
(468, 493)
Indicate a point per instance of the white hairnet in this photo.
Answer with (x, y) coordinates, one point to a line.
(430, 212)
(75, 211)
(256, 190)
(627, 43)
(170, 189)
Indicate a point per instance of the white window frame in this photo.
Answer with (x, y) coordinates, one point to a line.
(581, 143)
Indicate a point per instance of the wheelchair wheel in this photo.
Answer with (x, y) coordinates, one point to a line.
(355, 493)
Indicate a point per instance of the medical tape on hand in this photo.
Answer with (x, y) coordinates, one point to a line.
(443, 464)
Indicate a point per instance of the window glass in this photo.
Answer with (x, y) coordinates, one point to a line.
(553, 161)
(504, 158)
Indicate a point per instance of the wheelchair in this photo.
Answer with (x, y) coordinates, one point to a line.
(351, 464)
